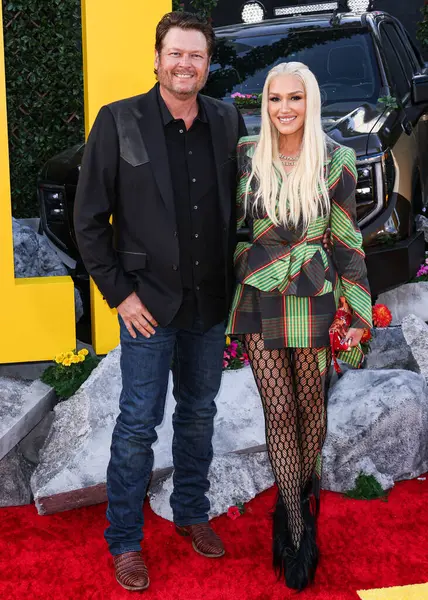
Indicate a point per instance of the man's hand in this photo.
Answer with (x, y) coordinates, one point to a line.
(135, 314)
(353, 337)
(326, 240)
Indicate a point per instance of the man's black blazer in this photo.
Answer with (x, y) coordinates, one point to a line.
(125, 174)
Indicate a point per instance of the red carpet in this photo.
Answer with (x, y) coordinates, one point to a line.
(363, 544)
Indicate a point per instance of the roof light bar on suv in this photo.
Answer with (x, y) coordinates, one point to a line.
(355, 6)
(308, 8)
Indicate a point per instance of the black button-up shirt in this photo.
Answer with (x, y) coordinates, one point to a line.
(199, 230)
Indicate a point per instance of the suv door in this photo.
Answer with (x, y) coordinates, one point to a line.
(404, 64)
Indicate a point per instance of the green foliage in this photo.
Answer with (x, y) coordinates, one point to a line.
(203, 8)
(366, 347)
(366, 488)
(422, 30)
(43, 56)
(177, 5)
(67, 380)
(388, 101)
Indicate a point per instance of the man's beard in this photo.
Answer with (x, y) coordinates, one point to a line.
(166, 80)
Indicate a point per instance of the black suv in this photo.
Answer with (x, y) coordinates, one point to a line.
(374, 88)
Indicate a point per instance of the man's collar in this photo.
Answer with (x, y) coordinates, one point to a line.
(167, 116)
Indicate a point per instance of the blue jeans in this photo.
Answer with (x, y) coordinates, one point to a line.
(145, 363)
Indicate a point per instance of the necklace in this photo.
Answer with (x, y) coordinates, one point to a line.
(289, 161)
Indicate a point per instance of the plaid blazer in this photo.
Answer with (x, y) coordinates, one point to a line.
(292, 268)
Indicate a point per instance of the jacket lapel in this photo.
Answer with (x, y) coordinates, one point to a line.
(153, 133)
(217, 123)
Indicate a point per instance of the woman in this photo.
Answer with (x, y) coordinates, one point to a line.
(294, 183)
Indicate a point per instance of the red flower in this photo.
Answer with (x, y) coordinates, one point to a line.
(382, 316)
(233, 512)
(367, 336)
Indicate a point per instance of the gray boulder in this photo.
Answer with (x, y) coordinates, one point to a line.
(389, 350)
(415, 332)
(410, 298)
(22, 406)
(34, 257)
(76, 452)
(377, 422)
(422, 225)
(234, 478)
(33, 442)
(11, 393)
(15, 473)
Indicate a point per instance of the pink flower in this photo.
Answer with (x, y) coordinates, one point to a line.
(233, 512)
(225, 364)
(423, 270)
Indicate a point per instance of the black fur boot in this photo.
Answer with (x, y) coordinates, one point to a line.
(296, 566)
(282, 545)
(301, 566)
(301, 570)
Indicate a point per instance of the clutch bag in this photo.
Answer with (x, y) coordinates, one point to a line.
(338, 330)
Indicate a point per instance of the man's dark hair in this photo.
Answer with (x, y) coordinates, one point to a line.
(184, 20)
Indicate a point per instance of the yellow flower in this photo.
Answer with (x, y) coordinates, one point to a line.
(83, 352)
(81, 358)
(227, 340)
(59, 358)
(69, 354)
(66, 362)
(75, 359)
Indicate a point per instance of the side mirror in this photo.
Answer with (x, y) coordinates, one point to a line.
(420, 89)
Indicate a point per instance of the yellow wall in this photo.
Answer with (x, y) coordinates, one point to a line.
(118, 49)
(36, 315)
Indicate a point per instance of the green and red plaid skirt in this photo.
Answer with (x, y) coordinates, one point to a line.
(287, 321)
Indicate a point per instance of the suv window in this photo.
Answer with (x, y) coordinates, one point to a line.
(400, 49)
(241, 64)
(393, 65)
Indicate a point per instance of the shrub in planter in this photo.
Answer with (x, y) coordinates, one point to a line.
(68, 373)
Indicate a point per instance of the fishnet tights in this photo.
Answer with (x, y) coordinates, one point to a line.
(290, 387)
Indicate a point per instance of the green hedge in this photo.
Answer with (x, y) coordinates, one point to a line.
(43, 55)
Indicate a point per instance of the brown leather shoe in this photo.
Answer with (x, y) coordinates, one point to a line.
(131, 571)
(204, 539)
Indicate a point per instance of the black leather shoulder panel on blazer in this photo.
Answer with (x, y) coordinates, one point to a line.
(126, 114)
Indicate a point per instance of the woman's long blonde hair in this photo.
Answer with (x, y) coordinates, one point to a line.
(299, 197)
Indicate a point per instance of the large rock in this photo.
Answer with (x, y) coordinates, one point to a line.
(410, 298)
(11, 393)
(389, 350)
(422, 225)
(15, 473)
(377, 423)
(34, 441)
(77, 450)
(22, 407)
(415, 332)
(34, 257)
(234, 478)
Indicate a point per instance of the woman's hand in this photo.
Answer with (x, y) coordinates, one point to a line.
(353, 337)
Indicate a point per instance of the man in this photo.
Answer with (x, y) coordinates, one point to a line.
(163, 165)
